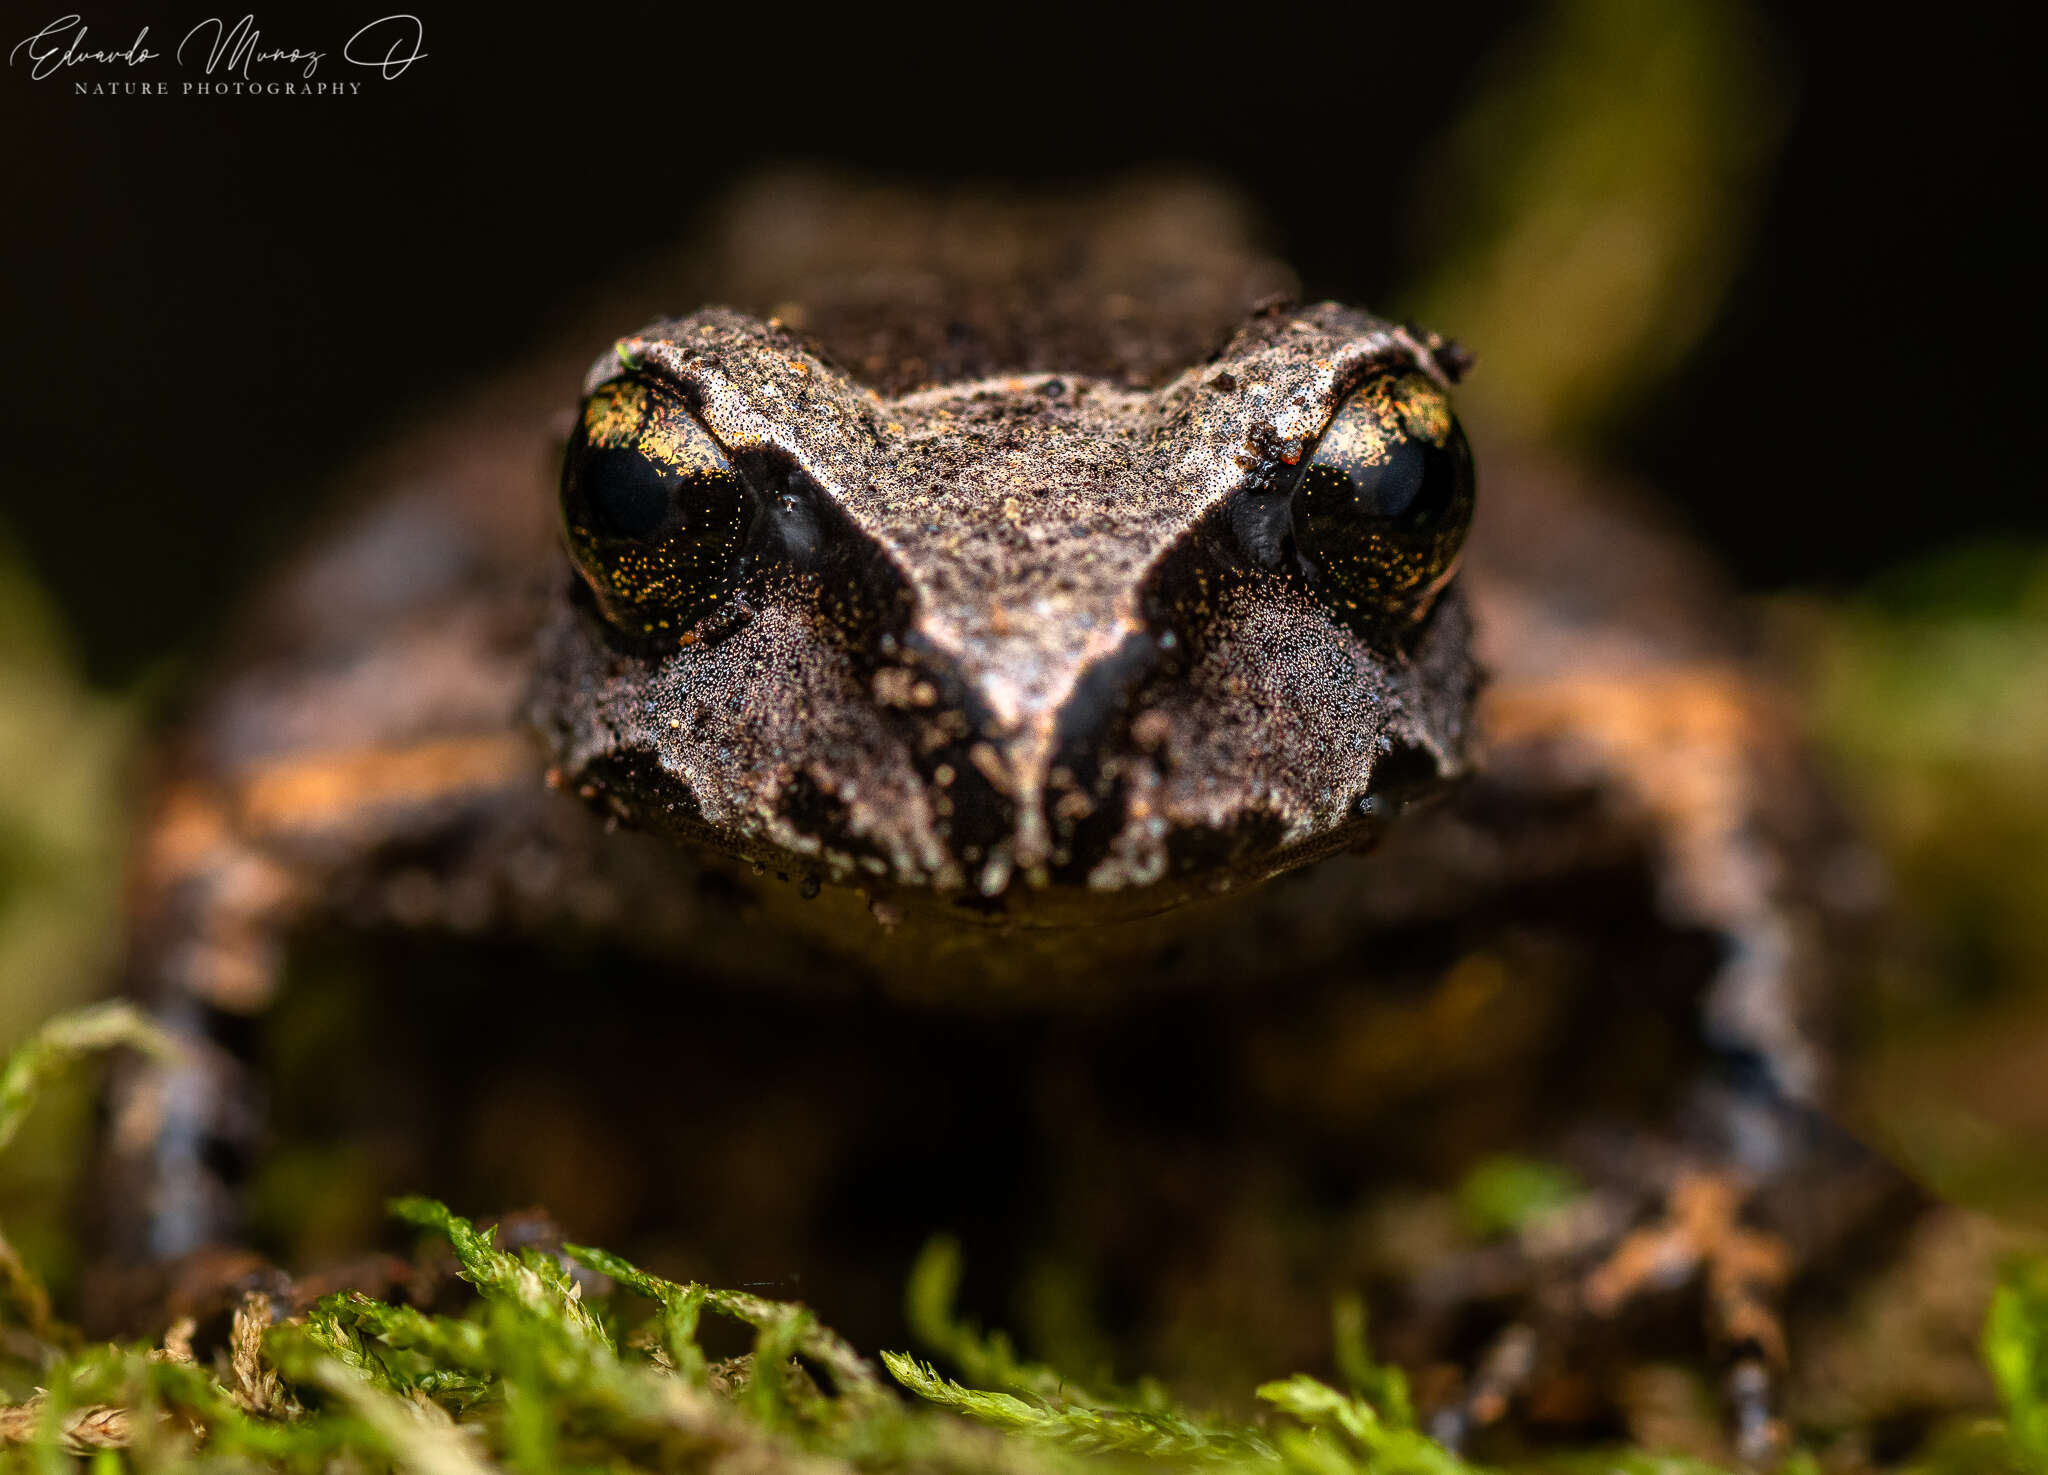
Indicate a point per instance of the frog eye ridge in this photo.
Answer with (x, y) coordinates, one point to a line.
(655, 515)
(1380, 510)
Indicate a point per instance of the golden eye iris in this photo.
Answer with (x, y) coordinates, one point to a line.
(655, 515)
(1382, 507)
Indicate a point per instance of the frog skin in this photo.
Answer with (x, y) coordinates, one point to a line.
(998, 650)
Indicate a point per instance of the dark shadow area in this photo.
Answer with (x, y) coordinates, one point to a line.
(217, 302)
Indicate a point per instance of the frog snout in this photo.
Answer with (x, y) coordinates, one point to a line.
(1019, 750)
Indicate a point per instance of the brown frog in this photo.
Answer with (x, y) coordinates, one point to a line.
(982, 610)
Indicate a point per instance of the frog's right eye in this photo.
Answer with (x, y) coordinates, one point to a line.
(655, 514)
(1382, 505)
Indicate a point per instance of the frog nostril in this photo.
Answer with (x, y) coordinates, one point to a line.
(1021, 787)
(1085, 825)
(973, 814)
(1086, 795)
(948, 730)
(1100, 697)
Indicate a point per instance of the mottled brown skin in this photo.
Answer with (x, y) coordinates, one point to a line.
(1008, 716)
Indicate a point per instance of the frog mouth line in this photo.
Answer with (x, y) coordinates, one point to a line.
(1063, 906)
(1058, 905)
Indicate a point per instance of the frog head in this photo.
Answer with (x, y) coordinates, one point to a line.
(1025, 633)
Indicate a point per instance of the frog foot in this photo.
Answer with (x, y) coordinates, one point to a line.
(1743, 1272)
(205, 1287)
(1574, 1278)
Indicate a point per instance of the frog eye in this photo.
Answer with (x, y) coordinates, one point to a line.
(1381, 508)
(655, 514)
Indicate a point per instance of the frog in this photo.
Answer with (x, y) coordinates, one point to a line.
(1027, 608)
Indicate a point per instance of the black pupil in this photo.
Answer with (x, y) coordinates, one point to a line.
(629, 495)
(1413, 486)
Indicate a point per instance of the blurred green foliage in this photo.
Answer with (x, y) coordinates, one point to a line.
(1929, 690)
(64, 753)
(1580, 225)
(1933, 691)
(2016, 1347)
(61, 751)
(1501, 1194)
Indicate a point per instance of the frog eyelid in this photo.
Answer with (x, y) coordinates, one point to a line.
(648, 370)
(1403, 357)
(1371, 570)
(1264, 478)
(1400, 357)
(641, 371)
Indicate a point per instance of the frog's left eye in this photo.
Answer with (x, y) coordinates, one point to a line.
(1382, 506)
(655, 514)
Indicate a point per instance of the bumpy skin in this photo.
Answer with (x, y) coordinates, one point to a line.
(1008, 709)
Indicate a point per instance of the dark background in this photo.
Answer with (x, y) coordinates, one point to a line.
(214, 303)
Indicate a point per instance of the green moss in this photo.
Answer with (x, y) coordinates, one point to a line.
(541, 1374)
(583, 1361)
